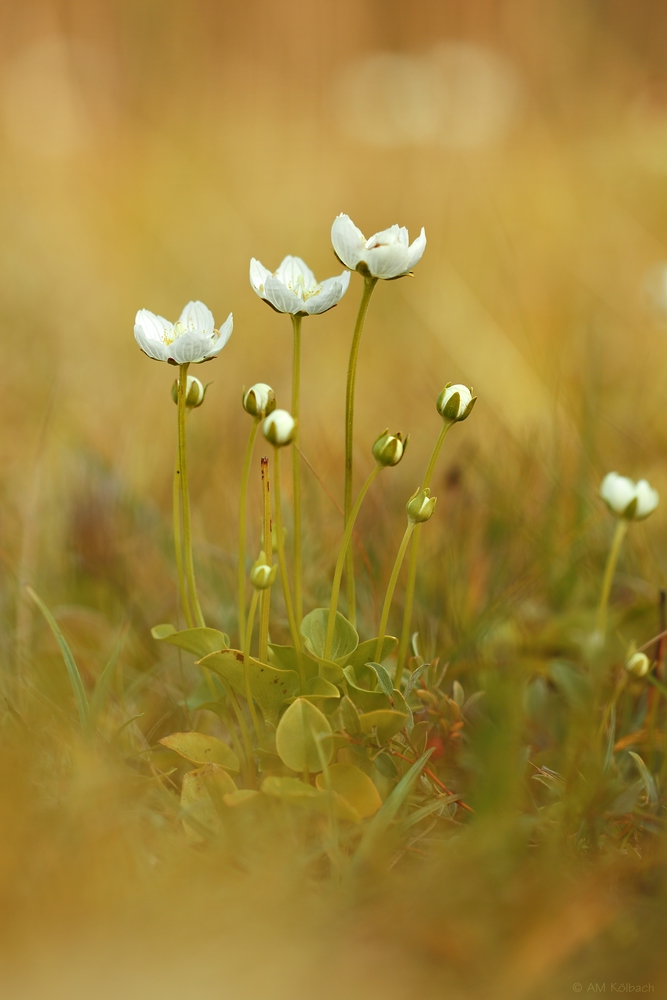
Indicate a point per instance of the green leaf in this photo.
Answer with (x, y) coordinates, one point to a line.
(70, 663)
(383, 676)
(413, 678)
(199, 641)
(380, 822)
(202, 749)
(365, 651)
(299, 731)
(350, 717)
(386, 765)
(458, 694)
(299, 793)
(354, 786)
(103, 681)
(202, 795)
(385, 721)
(317, 689)
(314, 630)
(418, 737)
(269, 687)
(202, 697)
(239, 797)
(367, 701)
(284, 658)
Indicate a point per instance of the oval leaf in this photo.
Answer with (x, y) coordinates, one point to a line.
(202, 749)
(202, 794)
(354, 786)
(269, 687)
(200, 641)
(386, 722)
(367, 701)
(365, 651)
(300, 731)
(314, 630)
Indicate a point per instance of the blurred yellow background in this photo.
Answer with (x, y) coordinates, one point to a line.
(148, 151)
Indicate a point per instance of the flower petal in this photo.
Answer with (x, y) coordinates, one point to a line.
(332, 291)
(150, 345)
(197, 316)
(154, 327)
(388, 237)
(348, 241)
(647, 499)
(388, 261)
(416, 251)
(191, 346)
(291, 269)
(225, 334)
(281, 298)
(258, 275)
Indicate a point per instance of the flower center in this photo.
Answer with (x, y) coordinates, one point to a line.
(298, 286)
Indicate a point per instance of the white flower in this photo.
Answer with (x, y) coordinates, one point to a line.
(455, 402)
(192, 338)
(279, 427)
(259, 400)
(628, 499)
(385, 255)
(293, 288)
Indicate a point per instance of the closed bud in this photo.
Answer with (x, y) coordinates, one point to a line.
(420, 506)
(455, 402)
(194, 392)
(389, 448)
(259, 400)
(279, 428)
(262, 573)
(638, 664)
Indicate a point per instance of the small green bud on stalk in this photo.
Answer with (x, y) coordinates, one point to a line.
(455, 403)
(420, 506)
(262, 573)
(259, 400)
(279, 428)
(194, 393)
(389, 449)
(638, 664)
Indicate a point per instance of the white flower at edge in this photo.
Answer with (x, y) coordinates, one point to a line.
(388, 254)
(293, 288)
(628, 499)
(192, 339)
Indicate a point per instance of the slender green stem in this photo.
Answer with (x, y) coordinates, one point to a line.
(289, 607)
(414, 558)
(178, 546)
(607, 580)
(340, 562)
(267, 546)
(391, 586)
(369, 285)
(296, 477)
(245, 735)
(243, 504)
(246, 657)
(185, 498)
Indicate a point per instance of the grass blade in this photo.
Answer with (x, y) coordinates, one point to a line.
(70, 663)
(392, 804)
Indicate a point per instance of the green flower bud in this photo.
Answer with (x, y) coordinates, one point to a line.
(455, 402)
(638, 664)
(259, 400)
(262, 573)
(194, 392)
(420, 506)
(279, 428)
(389, 448)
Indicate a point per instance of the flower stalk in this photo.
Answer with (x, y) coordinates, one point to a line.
(247, 640)
(391, 586)
(296, 477)
(414, 559)
(282, 562)
(607, 580)
(267, 547)
(369, 285)
(340, 562)
(188, 560)
(243, 508)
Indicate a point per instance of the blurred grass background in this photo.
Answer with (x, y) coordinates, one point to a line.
(148, 151)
